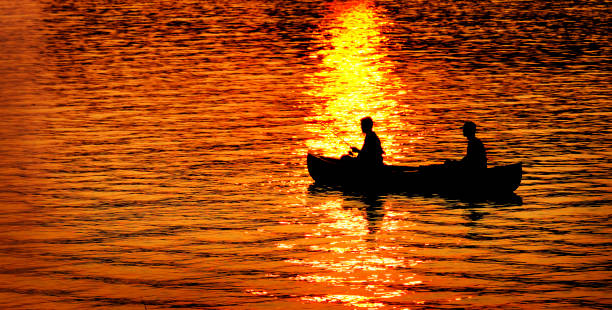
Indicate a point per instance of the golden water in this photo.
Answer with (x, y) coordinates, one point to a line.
(153, 154)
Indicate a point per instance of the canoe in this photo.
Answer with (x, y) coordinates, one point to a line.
(441, 179)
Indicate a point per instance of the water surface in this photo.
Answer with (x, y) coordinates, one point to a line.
(153, 155)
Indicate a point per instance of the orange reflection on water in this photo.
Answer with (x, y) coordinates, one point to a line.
(354, 300)
(354, 80)
(347, 257)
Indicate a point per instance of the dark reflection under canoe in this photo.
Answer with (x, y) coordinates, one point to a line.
(373, 203)
(474, 206)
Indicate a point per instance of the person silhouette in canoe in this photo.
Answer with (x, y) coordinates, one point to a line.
(476, 156)
(371, 153)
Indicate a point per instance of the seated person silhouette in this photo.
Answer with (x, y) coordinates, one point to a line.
(371, 153)
(476, 156)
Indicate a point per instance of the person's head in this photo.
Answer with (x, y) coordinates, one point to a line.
(469, 129)
(366, 124)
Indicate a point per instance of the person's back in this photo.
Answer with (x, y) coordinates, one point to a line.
(371, 153)
(476, 156)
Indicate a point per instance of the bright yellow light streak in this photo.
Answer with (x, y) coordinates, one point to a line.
(354, 80)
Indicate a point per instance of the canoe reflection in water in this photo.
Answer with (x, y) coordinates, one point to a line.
(370, 203)
(365, 180)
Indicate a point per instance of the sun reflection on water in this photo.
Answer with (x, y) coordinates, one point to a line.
(346, 256)
(355, 79)
(353, 260)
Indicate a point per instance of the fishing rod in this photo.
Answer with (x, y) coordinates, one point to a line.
(337, 136)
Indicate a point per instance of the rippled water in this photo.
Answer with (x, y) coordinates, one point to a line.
(153, 155)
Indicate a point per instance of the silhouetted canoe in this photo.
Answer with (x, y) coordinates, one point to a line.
(442, 179)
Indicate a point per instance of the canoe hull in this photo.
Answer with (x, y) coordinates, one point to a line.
(426, 179)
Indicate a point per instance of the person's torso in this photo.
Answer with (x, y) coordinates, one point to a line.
(372, 149)
(476, 153)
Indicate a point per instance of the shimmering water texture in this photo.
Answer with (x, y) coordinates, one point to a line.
(152, 154)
